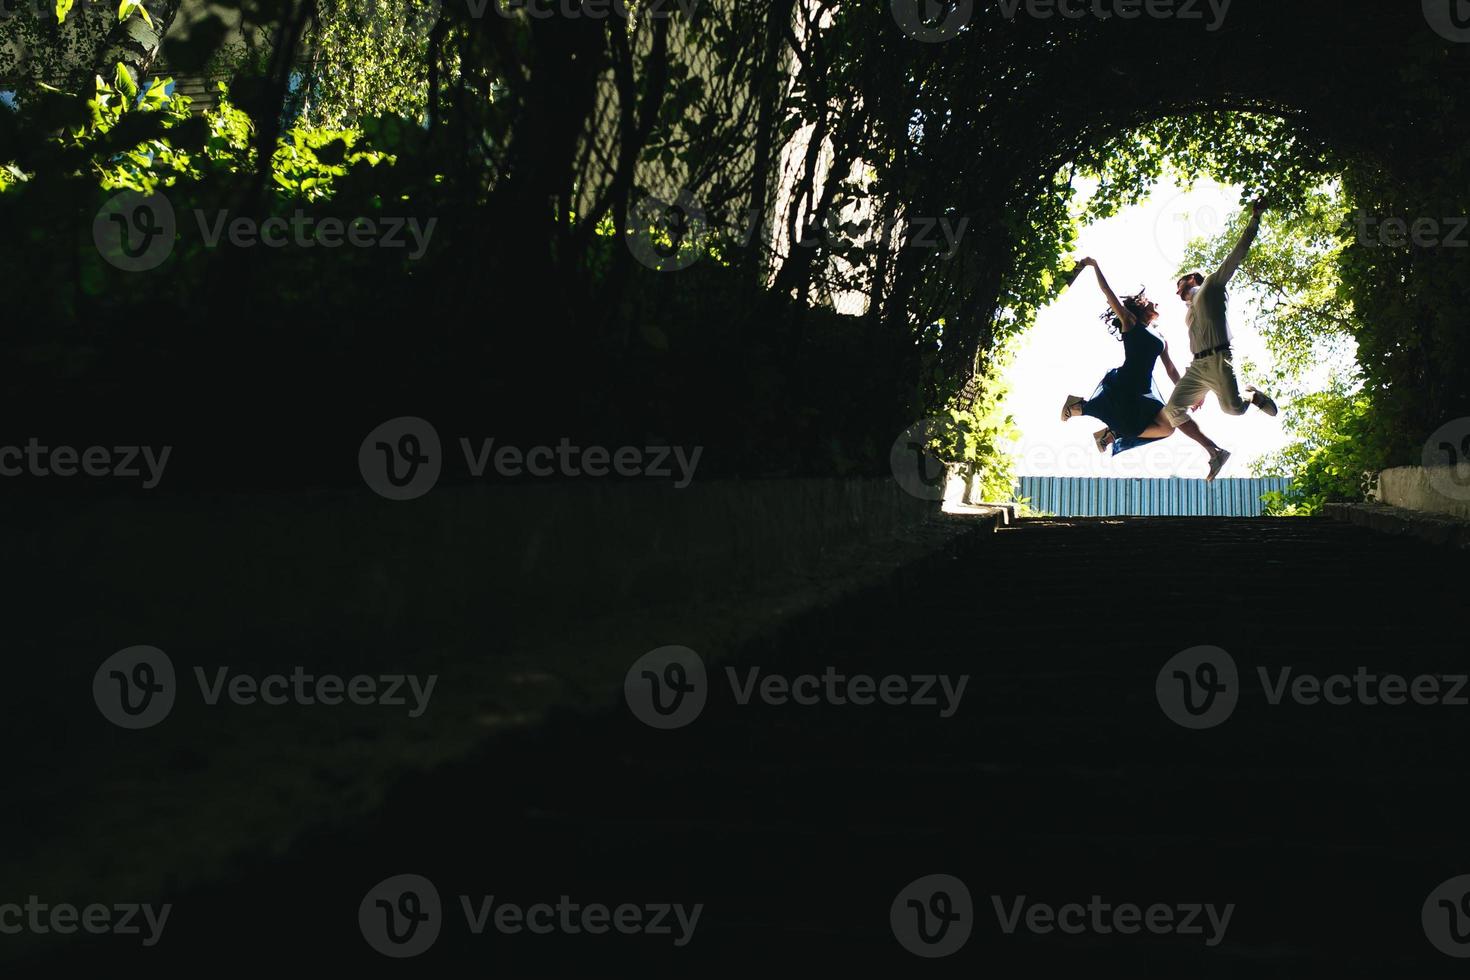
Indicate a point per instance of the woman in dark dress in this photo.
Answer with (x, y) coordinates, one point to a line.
(1128, 401)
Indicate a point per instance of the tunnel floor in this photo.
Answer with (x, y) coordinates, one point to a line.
(1057, 780)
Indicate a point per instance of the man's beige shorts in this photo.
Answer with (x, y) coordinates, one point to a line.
(1214, 373)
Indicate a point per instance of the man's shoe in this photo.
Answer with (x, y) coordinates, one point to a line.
(1217, 463)
(1262, 401)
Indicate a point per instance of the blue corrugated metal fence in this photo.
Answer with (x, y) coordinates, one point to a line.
(1067, 496)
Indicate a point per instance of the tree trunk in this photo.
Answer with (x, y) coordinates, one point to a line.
(135, 43)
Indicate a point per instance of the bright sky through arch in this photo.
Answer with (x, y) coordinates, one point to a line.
(1069, 348)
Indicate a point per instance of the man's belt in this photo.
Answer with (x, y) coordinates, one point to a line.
(1222, 349)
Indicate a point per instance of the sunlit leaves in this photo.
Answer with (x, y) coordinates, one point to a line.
(126, 9)
(123, 81)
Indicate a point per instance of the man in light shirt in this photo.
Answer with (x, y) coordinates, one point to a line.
(1213, 368)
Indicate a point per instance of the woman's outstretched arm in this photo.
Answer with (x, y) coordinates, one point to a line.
(1119, 310)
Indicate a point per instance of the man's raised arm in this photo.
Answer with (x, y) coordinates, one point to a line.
(1242, 247)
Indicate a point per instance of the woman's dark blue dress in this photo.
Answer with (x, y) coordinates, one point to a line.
(1128, 400)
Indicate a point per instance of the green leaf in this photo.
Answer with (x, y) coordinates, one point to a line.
(124, 83)
(63, 7)
(333, 153)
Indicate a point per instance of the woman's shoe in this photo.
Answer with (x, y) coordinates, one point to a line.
(1071, 406)
(1104, 439)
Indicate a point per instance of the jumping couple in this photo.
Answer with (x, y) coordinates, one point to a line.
(1128, 400)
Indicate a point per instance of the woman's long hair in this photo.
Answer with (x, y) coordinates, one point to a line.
(1133, 304)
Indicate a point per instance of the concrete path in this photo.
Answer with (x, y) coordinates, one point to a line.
(1059, 779)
